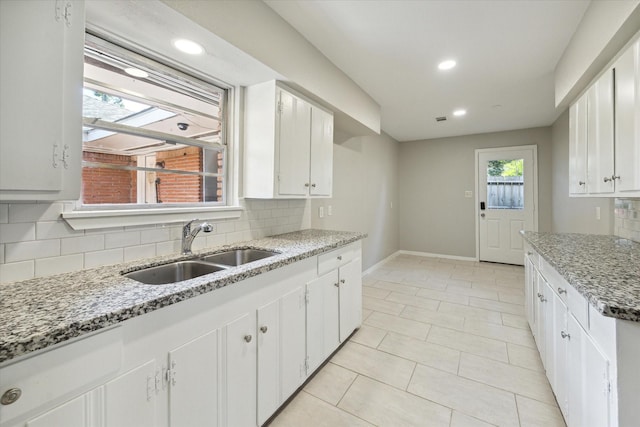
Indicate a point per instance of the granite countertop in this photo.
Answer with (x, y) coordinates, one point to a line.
(605, 269)
(41, 312)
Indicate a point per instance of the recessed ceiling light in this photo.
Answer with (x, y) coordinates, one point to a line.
(459, 113)
(188, 46)
(447, 65)
(136, 72)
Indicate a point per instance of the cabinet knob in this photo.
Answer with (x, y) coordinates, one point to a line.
(313, 185)
(564, 335)
(247, 338)
(613, 177)
(10, 396)
(607, 179)
(306, 184)
(562, 291)
(342, 281)
(263, 329)
(339, 257)
(581, 183)
(336, 284)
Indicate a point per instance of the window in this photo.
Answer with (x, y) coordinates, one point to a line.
(505, 184)
(152, 136)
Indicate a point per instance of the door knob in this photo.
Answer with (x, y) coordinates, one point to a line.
(482, 214)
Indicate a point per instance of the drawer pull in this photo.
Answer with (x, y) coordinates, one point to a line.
(263, 329)
(339, 257)
(563, 334)
(10, 396)
(337, 285)
(247, 338)
(342, 281)
(562, 291)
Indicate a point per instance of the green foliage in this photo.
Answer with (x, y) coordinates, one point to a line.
(505, 167)
(109, 99)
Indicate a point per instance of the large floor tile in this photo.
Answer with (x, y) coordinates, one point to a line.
(399, 325)
(376, 364)
(382, 306)
(366, 313)
(473, 292)
(511, 298)
(395, 287)
(306, 410)
(538, 414)
(469, 343)
(500, 332)
(515, 321)
(524, 357)
(458, 419)
(369, 336)
(331, 383)
(506, 377)
(382, 405)
(425, 353)
(503, 307)
(433, 317)
(474, 313)
(479, 400)
(368, 291)
(412, 300)
(443, 296)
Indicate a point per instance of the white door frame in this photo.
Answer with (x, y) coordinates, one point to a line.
(477, 186)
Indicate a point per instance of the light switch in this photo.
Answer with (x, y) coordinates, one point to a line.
(468, 194)
(598, 212)
(321, 212)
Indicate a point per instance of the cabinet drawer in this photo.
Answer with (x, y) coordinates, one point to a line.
(532, 255)
(576, 303)
(49, 378)
(337, 258)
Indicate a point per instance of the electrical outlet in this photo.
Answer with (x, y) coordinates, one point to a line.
(468, 194)
(329, 211)
(597, 212)
(321, 211)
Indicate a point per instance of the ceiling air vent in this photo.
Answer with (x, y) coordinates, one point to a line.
(441, 119)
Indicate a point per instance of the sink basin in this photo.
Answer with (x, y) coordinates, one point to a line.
(238, 257)
(174, 272)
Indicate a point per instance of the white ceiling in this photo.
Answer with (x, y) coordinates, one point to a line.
(506, 51)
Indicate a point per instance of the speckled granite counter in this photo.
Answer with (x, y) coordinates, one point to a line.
(605, 269)
(45, 311)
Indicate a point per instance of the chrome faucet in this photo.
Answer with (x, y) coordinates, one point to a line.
(188, 234)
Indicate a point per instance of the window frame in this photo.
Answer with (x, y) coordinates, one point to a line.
(114, 215)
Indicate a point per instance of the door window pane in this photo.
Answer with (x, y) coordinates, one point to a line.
(505, 184)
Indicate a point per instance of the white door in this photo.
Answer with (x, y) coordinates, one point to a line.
(294, 134)
(130, 400)
(506, 202)
(322, 319)
(193, 383)
(350, 297)
(268, 371)
(70, 414)
(292, 342)
(321, 168)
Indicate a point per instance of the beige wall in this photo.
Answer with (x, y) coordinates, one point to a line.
(573, 214)
(365, 194)
(435, 217)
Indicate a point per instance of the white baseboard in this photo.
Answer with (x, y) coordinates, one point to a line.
(427, 254)
(379, 263)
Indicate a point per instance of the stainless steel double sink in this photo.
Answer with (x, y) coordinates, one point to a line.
(189, 269)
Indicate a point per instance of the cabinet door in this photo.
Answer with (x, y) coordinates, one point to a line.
(193, 383)
(557, 346)
(321, 170)
(600, 169)
(323, 329)
(578, 147)
(627, 120)
(41, 103)
(294, 133)
(350, 297)
(130, 400)
(292, 342)
(268, 366)
(530, 293)
(70, 414)
(541, 304)
(239, 370)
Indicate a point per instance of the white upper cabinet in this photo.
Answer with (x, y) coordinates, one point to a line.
(41, 45)
(604, 132)
(288, 149)
(627, 121)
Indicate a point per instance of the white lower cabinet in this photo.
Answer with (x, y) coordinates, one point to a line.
(575, 365)
(227, 358)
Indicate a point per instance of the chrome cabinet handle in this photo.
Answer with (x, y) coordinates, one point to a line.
(564, 335)
(263, 329)
(582, 182)
(10, 396)
(562, 291)
(613, 177)
(607, 179)
(339, 257)
(247, 338)
(313, 185)
(337, 285)
(306, 184)
(342, 281)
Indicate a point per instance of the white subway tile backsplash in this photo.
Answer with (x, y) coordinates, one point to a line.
(59, 264)
(76, 245)
(627, 219)
(10, 233)
(4, 213)
(31, 250)
(121, 240)
(15, 271)
(133, 253)
(39, 243)
(32, 212)
(54, 230)
(108, 257)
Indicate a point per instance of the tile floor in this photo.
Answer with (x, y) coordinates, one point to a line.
(443, 343)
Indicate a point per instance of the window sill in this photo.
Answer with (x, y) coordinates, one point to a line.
(91, 220)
